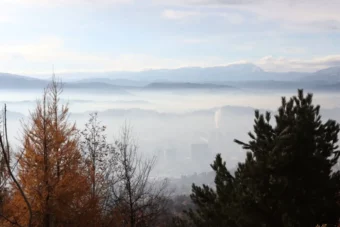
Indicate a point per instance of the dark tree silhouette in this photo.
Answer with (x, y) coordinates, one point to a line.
(287, 178)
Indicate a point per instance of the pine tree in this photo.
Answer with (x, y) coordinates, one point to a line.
(214, 206)
(286, 179)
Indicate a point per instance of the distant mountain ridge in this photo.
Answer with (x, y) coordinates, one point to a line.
(12, 81)
(233, 73)
(213, 78)
(190, 74)
(180, 74)
(331, 74)
(187, 85)
(117, 82)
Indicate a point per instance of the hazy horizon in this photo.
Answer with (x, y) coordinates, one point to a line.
(168, 120)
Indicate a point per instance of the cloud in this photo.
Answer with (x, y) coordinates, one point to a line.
(179, 14)
(46, 49)
(316, 15)
(53, 3)
(206, 2)
(13, 11)
(38, 57)
(293, 50)
(233, 18)
(184, 15)
(248, 46)
(283, 64)
(194, 41)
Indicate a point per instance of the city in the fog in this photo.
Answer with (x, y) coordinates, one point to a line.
(181, 124)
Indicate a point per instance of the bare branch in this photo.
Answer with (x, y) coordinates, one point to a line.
(139, 199)
(5, 153)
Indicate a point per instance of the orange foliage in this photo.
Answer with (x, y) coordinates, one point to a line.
(65, 188)
(51, 170)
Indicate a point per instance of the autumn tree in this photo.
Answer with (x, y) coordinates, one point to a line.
(51, 171)
(135, 198)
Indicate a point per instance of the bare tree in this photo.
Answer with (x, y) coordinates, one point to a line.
(137, 198)
(6, 169)
(96, 151)
(98, 155)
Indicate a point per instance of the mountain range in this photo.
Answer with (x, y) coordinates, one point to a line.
(213, 78)
(234, 72)
(186, 85)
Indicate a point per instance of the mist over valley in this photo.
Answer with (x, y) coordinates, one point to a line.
(185, 116)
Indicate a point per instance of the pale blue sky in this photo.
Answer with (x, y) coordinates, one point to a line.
(110, 35)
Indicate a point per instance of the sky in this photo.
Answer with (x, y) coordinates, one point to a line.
(134, 35)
